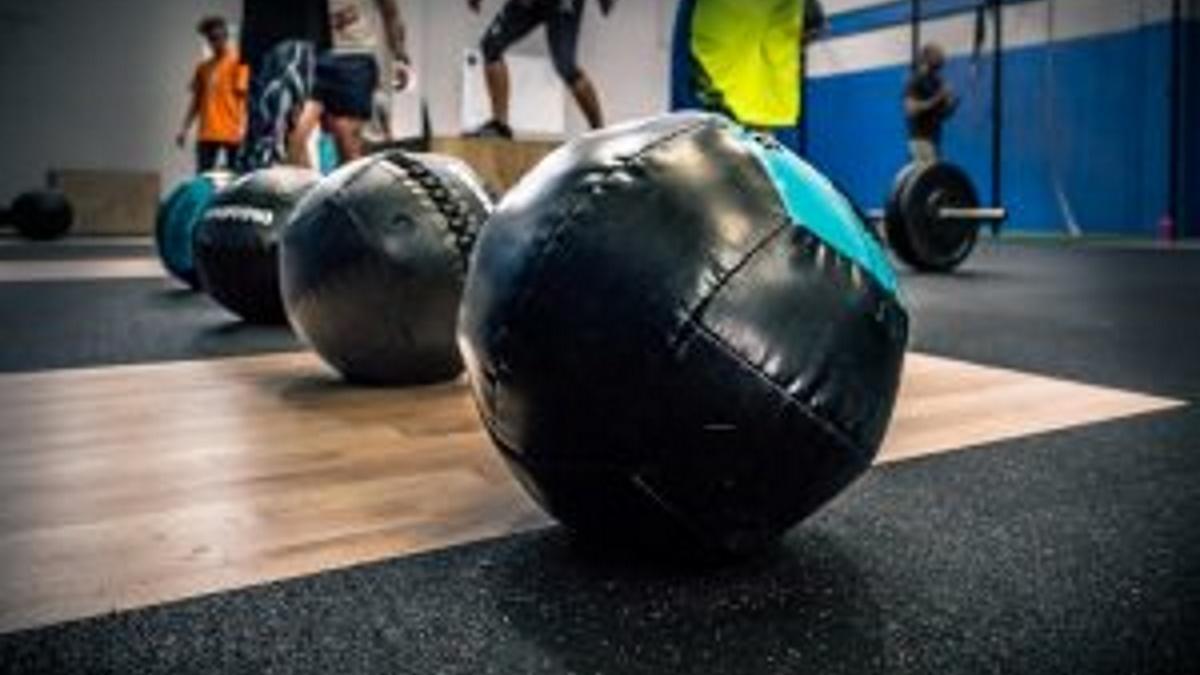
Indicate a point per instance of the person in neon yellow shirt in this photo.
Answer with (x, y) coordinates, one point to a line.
(743, 58)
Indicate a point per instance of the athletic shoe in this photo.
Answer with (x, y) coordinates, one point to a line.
(493, 129)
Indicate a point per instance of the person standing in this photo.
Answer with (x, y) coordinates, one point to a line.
(280, 40)
(928, 103)
(518, 18)
(743, 59)
(218, 100)
(342, 100)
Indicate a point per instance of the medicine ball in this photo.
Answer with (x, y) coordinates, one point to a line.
(680, 335)
(236, 244)
(373, 264)
(42, 215)
(177, 219)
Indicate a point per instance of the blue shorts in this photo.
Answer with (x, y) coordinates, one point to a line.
(345, 84)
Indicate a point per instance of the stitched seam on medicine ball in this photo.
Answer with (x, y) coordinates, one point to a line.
(849, 269)
(839, 436)
(342, 271)
(634, 478)
(842, 436)
(844, 266)
(863, 232)
(451, 207)
(855, 268)
(569, 205)
(723, 280)
(882, 300)
(879, 310)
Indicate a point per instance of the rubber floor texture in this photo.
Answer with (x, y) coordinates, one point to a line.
(1071, 552)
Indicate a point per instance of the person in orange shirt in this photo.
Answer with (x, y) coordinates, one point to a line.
(218, 100)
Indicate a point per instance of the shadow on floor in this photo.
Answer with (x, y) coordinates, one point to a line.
(176, 295)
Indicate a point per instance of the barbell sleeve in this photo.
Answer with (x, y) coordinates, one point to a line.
(973, 213)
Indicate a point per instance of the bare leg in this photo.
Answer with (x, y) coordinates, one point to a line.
(588, 100)
(498, 89)
(297, 141)
(347, 136)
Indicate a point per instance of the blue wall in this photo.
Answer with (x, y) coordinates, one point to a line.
(1085, 118)
(1189, 224)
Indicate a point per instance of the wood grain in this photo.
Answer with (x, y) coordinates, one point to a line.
(128, 486)
(139, 267)
(499, 162)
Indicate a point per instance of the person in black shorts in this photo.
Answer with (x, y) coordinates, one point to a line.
(347, 76)
(517, 19)
(928, 103)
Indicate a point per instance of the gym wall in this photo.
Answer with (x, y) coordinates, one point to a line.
(96, 85)
(626, 54)
(1085, 116)
(1189, 178)
(102, 85)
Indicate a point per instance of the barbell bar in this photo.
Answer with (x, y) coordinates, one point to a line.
(984, 214)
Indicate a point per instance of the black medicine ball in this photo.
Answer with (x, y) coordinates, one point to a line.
(42, 215)
(236, 243)
(679, 334)
(178, 216)
(374, 262)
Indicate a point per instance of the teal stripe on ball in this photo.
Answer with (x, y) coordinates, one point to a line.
(814, 203)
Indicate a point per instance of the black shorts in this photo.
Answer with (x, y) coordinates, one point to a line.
(345, 84)
(519, 17)
(211, 155)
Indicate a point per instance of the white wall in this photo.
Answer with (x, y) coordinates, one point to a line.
(627, 55)
(95, 84)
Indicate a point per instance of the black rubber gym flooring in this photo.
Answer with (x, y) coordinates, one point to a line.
(77, 323)
(1072, 552)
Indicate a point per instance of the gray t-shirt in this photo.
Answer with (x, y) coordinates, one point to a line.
(356, 26)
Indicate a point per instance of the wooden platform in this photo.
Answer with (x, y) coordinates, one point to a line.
(110, 202)
(139, 267)
(501, 163)
(128, 486)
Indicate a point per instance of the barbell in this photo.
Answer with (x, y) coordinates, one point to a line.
(932, 216)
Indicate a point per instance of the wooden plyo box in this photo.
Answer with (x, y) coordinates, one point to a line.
(110, 202)
(499, 162)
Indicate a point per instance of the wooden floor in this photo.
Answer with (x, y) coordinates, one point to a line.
(128, 486)
(139, 267)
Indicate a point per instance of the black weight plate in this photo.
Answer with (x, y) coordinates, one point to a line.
(937, 244)
(893, 216)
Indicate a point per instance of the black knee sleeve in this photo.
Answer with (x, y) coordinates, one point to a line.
(567, 69)
(492, 46)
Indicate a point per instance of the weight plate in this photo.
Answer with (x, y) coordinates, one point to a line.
(937, 244)
(893, 216)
